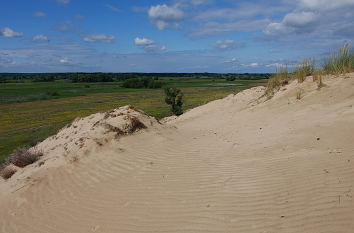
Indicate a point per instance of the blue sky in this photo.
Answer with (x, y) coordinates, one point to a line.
(169, 35)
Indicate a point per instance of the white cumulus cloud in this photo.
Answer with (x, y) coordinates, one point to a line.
(9, 33)
(143, 41)
(163, 16)
(64, 60)
(325, 4)
(295, 22)
(40, 38)
(148, 45)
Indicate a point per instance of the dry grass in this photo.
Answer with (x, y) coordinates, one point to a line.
(341, 62)
(304, 69)
(279, 79)
(316, 75)
(299, 93)
(23, 157)
(7, 171)
(135, 125)
(319, 81)
(338, 63)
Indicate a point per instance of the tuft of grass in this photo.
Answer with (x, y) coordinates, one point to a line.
(319, 81)
(316, 75)
(304, 69)
(7, 171)
(280, 78)
(341, 62)
(23, 157)
(299, 93)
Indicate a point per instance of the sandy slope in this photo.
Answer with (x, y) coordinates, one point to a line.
(240, 164)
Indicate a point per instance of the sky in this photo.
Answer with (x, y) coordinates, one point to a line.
(221, 36)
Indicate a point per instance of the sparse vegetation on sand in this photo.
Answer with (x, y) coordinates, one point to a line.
(317, 77)
(304, 69)
(6, 171)
(19, 158)
(341, 62)
(299, 93)
(338, 63)
(23, 157)
(280, 78)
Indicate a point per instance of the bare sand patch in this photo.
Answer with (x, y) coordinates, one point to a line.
(244, 163)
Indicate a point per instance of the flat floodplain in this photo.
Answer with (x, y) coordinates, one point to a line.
(32, 111)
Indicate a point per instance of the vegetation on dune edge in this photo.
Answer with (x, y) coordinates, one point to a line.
(340, 62)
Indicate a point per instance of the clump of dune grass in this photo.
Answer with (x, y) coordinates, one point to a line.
(280, 78)
(304, 69)
(20, 158)
(319, 81)
(7, 171)
(299, 93)
(341, 62)
(316, 75)
(23, 157)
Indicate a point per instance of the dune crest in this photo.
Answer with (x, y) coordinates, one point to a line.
(245, 163)
(96, 130)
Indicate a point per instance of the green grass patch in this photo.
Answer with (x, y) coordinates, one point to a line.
(26, 123)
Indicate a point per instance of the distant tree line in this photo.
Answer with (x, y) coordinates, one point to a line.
(142, 83)
(109, 77)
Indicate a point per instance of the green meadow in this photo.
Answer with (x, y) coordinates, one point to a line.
(32, 111)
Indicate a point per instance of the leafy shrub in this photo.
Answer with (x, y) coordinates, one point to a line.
(230, 78)
(174, 97)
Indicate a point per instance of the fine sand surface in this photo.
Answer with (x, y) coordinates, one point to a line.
(240, 164)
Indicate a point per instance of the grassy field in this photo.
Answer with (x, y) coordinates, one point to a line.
(30, 113)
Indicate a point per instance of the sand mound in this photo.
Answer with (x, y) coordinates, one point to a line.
(240, 164)
(85, 135)
(96, 130)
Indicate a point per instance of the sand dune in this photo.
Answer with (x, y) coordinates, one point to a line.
(239, 164)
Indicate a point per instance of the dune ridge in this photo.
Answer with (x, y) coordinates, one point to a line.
(244, 163)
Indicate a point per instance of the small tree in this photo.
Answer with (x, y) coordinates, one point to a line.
(174, 97)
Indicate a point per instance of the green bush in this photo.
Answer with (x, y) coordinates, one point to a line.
(174, 97)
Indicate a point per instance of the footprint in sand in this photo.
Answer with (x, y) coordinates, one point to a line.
(95, 228)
